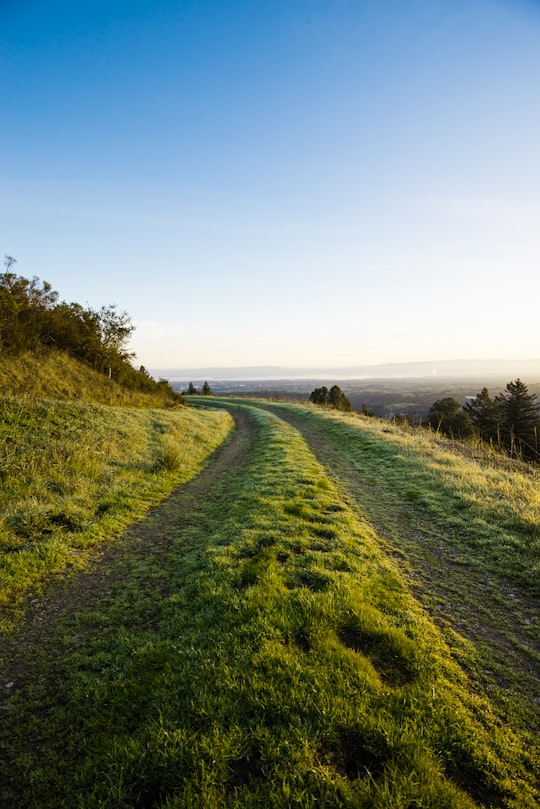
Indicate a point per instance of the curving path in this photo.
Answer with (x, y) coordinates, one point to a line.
(204, 499)
(443, 587)
(509, 654)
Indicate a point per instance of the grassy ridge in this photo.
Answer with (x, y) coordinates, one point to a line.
(74, 474)
(55, 375)
(284, 663)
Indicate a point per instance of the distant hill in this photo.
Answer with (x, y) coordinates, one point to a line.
(405, 370)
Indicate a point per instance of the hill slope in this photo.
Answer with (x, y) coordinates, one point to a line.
(56, 375)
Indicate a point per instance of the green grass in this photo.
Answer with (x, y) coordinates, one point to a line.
(490, 507)
(279, 660)
(55, 375)
(74, 475)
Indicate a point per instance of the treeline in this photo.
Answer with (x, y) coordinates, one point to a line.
(509, 420)
(33, 318)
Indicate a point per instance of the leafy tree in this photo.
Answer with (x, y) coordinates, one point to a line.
(519, 420)
(319, 396)
(9, 261)
(206, 390)
(482, 412)
(31, 318)
(25, 307)
(446, 415)
(115, 329)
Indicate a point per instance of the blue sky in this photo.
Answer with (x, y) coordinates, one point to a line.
(270, 182)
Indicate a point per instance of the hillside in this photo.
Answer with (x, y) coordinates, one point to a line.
(75, 474)
(336, 612)
(52, 374)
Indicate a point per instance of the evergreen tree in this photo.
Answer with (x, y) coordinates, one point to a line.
(192, 390)
(482, 411)
(338, 400)
(206, 390)
(518, 413)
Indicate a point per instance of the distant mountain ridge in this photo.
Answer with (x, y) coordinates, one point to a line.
(390, 370)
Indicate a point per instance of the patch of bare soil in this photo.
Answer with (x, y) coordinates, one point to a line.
(491, 612)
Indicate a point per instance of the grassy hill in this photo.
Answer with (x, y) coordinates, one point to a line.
(52, 374)
(336, 612)
(81, 458)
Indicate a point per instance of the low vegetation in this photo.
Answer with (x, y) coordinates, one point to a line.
(55, 375)
(272, 654)
(74, 474)
(275, 633)
(475, 495)
(33, 320)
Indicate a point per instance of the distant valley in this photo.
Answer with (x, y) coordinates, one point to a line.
(385, 389)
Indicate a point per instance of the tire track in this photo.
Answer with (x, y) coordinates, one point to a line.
(159, 536)
(444, 588)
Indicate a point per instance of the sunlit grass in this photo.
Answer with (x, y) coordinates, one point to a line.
(56, 375)
(75, 474)
(286, 665)
(486, 504)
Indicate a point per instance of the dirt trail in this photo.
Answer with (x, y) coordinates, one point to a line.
(63, 597)
(490, 613)
(443, 586)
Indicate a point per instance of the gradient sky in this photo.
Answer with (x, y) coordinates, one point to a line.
(288, 182)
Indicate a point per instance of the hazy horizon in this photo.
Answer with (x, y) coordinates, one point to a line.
(280, 183)
(423, 369)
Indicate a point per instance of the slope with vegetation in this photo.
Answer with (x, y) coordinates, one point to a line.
(255, 643)
(34, 321)
(510, 421)
(75, 474)
(87, 443)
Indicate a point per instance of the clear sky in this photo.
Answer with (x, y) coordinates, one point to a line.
(287, 182)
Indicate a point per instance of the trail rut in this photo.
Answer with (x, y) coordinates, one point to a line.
(442, 584)
(92, 589)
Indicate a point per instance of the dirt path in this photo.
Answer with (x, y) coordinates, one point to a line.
(460, 599)
(441, 585)
(153, 536)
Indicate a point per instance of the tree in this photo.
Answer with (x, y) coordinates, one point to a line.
(25, 308)
(519, 420)
(447, 416)
(482, 411)
(192, 390)
(115, 329)
(206, 390)
(319, 396)
(9, 261)
(338, 400)
(334, 398)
